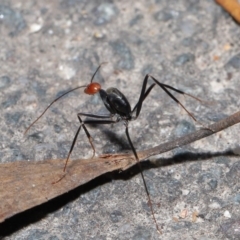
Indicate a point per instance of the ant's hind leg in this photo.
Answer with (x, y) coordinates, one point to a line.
(166, 88)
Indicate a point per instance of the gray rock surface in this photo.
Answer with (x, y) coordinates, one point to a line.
(47, 47)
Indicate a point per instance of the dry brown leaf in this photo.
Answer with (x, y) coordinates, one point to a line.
(232, 7)
(26, 184)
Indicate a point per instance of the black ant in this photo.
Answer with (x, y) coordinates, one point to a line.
(119, 110)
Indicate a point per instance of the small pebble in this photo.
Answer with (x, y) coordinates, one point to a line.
(235, 61)
(227, 214)
(35, 27)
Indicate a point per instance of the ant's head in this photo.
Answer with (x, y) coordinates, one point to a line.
(92, 88)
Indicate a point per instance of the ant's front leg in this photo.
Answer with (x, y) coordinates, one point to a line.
(82, 124)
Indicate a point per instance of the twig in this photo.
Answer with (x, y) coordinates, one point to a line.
(192, 137)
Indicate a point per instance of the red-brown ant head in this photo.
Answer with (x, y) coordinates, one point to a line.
(92, 88)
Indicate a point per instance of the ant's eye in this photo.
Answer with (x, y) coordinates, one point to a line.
(92, 88)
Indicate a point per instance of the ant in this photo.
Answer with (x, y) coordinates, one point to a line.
(119, 110)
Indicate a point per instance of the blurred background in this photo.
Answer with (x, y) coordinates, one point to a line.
(49, 47)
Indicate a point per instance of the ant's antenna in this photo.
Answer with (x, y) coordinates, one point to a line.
(61, 97)
(50, 106)
(97, 70)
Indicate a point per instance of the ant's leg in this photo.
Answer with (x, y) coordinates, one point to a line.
(69, 153)
(93, 122)
(144, 181)
(72, 146)
(165, 86)
(143, 95)
(82, 124)
(94, 115)
(174, 89)
(142, 98)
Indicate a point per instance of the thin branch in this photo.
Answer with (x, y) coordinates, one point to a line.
(192, 137)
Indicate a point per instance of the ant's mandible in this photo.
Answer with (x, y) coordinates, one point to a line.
(119, 110)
